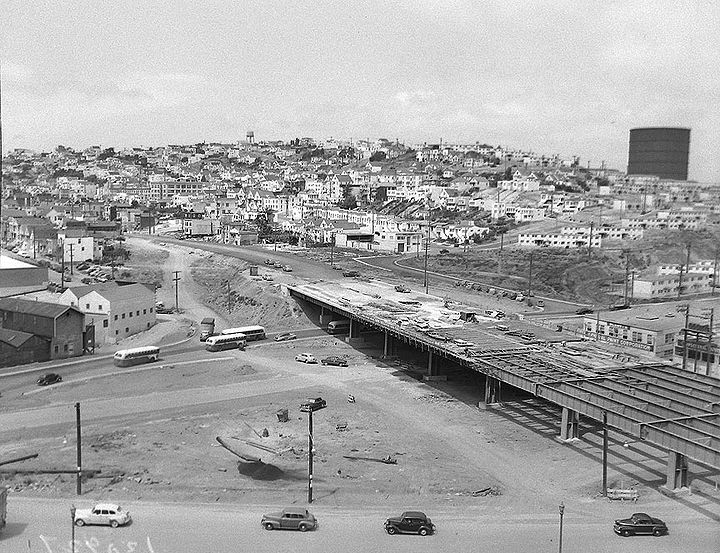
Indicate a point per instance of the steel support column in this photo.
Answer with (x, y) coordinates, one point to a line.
(570, 424)
(493, 390)
(677, 471)
(431, 366)
(387, 345)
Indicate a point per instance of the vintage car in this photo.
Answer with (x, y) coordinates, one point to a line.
(290, 518)
(640, 523)
(410, 522)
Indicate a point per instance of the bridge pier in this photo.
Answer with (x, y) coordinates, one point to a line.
(677, 471)
(570, 424)
(354, 334)
(325, 316)
(387, 346)
(493, 390)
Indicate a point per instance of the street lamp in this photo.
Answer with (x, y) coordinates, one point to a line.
(309, 407)
(561, 508)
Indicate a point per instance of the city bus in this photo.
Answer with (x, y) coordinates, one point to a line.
(135, 356)
(251, 332)
(225, 341)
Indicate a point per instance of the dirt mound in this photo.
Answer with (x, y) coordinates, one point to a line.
(260, 471)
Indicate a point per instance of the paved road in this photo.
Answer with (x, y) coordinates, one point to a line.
(43, 526)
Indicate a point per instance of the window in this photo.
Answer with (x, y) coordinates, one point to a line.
(148, 325)
(669, 338)
(151, 310)
(57, 349)
(144, 311)
(130, 314)
(100, 307)
(123, 315)
(65, 348)
(117, 332)
(127, 330)
(105, 323)
(87, 306)
(138, 313)
(116, 317)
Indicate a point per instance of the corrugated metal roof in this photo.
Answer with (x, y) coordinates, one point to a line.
(40, 308)
(14, 337)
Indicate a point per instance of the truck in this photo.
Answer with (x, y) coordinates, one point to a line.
(207, 328)
(3, 506)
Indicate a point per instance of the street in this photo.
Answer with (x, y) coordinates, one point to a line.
(44, 526)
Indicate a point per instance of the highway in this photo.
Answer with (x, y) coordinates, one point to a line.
(44, 526)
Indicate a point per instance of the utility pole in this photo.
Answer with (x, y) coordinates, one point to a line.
(627, 275)
(427, 247)
(228, 296)
(62, 265)
(709, 342)
(530, 277)
(715, 271)
(79, 450)
(176, 279)
(605, 453)
(71, 258)
(687, 269)
(332, 249)
(592, 227)
(685, 334)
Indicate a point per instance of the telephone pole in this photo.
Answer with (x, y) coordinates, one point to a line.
(427, 246)
(687, 270)
(530, 277)
(627, 275)
(79, 449)
(176, 279)
(592, 227)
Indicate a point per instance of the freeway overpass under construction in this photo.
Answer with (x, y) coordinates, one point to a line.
(671, 409)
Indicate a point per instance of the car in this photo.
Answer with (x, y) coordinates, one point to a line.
(351, 273)
(267, 277)
(49, 378)
(290, 518)
(162, 244)
(520, 297)
(583, 311)
(269, 262)
(313, 404)
(410, 522)
(334, 360)
(305, 358)
(87, 280)
(444, 251)
(82, 266)
(402, 288)
(284, 336)
(640, 523)
(540, 303)
(110, 514)
(287, 269)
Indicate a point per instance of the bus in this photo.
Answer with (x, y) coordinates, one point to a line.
(135, 356)
(338, 327)
(251, 332)
(225, 341)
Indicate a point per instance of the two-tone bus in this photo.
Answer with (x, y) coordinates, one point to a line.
(135, 356)
(251, 332)
(225, 341)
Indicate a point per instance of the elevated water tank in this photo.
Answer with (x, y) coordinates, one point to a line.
(659, 151)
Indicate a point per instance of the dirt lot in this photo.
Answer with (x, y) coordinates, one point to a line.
(162, 442)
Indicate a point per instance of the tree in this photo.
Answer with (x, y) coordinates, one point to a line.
(264, 223)
(378, 156)
(349, 201)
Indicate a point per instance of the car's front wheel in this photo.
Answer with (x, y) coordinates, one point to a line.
(423, 532)
(269, 526)
(303, 527)
(391, 530)
(114, 523)
(80, 522)
(625, 533)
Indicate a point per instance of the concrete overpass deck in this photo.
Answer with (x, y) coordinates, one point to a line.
(675, 410)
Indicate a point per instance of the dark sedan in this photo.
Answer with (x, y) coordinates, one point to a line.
(334, 360)
(50, 378)
(640, 523)
(410, 522)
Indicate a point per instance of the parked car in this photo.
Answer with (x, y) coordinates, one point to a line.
(520, 297)
(267, 277)
(305, 358)
(284, 336)
(290, 518)
(583, 311)
(334, 360)
(287, 269)
(640, 523)
(540, 303)
(82, 266)
(313, 404)
(269, 262)
(410, 522)
(87, 280)
(351, 273)
(49, 378)
(444, 251)
(402, 288)
(110, 514)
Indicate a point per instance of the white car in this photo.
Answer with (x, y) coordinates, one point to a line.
(306, 358)
(110, 514)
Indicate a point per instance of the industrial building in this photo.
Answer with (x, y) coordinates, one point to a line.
(659, 151)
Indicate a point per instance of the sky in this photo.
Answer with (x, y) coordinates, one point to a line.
(563, 77)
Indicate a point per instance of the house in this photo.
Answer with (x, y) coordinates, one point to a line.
(62, 327)
(115, 310)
